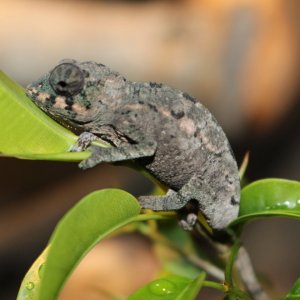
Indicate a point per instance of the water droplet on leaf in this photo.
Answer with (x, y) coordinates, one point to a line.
(30, 285)
(162, 287)
(289, 204)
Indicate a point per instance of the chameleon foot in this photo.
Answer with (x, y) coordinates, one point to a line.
(189, 222)
(84, 141)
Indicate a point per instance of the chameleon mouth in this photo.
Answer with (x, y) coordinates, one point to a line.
(41, 98)
(67, 123)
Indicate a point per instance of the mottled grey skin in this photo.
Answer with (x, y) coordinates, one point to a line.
(169, 133)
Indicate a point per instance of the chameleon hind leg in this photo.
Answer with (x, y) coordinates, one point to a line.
(168, 202)
(195, 191)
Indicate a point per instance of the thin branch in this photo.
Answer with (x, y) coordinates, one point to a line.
(205, 265)
(246, 271)
(243, 265)
(208, 267)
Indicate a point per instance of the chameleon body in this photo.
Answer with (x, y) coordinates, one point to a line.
(166, 131)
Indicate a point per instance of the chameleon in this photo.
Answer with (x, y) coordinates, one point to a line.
(161, 129)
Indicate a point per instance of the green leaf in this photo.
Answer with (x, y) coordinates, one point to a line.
(89, 221)
(31, 281)
(294, 293)
(27, 132)
(170, 288)
(268, 198)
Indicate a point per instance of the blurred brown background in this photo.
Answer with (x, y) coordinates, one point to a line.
(240, 57)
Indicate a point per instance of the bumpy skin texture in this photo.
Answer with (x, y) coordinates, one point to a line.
(169, 133)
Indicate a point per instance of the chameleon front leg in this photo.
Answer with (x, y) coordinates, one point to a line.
(125, 151)
(171, 201)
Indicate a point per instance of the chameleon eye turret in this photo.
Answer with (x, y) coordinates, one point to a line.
(67, 79)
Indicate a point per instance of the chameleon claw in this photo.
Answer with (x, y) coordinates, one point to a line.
(87, 164)
(189, 222)
(76, 148)
(84, 141)
(92, 160)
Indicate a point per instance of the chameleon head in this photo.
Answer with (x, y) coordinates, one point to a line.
(70, 91)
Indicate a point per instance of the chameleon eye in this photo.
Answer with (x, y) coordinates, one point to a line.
(67, 79)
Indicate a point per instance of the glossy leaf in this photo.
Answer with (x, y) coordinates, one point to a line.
(90, 220)
(31, 282)
(294, 293)
(170, 288)
(269, 197)
(27, 132)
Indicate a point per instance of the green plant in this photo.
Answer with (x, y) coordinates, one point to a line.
(28, 133)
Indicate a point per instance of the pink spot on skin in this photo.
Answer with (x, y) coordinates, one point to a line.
(78, 108)
(164, 112)
(209, 146)
(32, 91)
(42, 97)
(60, 102)
(187, 125)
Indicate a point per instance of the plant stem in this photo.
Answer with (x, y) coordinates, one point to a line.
(229, 266)
(225, 289)
(218, 286)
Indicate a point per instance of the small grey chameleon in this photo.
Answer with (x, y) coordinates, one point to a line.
(166, 131)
